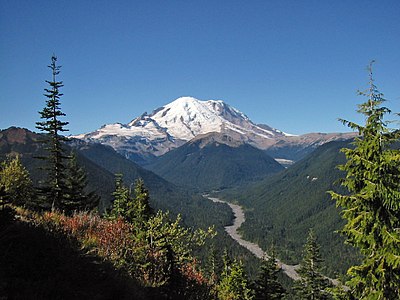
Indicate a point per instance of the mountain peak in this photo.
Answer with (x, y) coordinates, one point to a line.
(181, 120)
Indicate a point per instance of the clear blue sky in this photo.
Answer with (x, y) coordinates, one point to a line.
(294, 65)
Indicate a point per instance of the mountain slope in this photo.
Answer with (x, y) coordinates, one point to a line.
(281, 208)
(24, 143)
(101, 163)
(172, 125)
(214, 161)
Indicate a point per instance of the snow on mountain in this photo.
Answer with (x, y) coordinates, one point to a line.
(172, 125)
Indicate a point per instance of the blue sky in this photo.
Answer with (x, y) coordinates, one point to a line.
(294, 65)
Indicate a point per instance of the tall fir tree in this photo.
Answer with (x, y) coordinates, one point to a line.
(76, 198)
(55, 186)
(372, 207)
(312, 285)
(267, 285)
(141, 206)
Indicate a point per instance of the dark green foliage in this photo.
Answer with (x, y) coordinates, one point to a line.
(133, 208)
(122, 205)
(24, 143)
(284, 206)
(267, 286)
(55, 186)
(195, 210)
(65, 187)
(141, 207)
(214, 165)
(372, 209)
(312, 284)
(76, 198)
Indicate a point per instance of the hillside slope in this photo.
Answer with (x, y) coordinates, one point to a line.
(101, 163)
(38, 264)
(214, 161)
(24, 143)
(281, 209)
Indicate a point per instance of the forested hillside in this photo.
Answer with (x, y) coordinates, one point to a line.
(281, 209)
(102, 163)
(214, 162)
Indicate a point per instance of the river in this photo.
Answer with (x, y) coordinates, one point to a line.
(232, 230)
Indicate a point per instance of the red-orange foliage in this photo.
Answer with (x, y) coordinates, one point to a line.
(117, 242)
(109, 238)
(191, 272)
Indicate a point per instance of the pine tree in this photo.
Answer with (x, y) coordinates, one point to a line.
(312, 284)
(16, 182)
(372, 207)
(267, 285)
(76, 198)
(55, 186)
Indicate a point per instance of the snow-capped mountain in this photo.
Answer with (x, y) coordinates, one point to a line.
(174, 124)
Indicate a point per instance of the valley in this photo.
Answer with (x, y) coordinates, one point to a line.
(190, 146)
(232, 230)
(277, 181)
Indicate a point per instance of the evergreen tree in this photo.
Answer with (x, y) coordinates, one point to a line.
(133, 208)
(16, 182)
(142, 209)
(233, 284)
(55, 186)
(372, 208)
(312, 284)
(76, 198)
(123, 205)
(267, 285)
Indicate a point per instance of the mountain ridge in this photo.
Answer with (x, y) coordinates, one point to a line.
(170, 126)
(214, 161)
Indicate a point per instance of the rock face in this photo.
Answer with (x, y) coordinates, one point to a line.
(169, 127)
